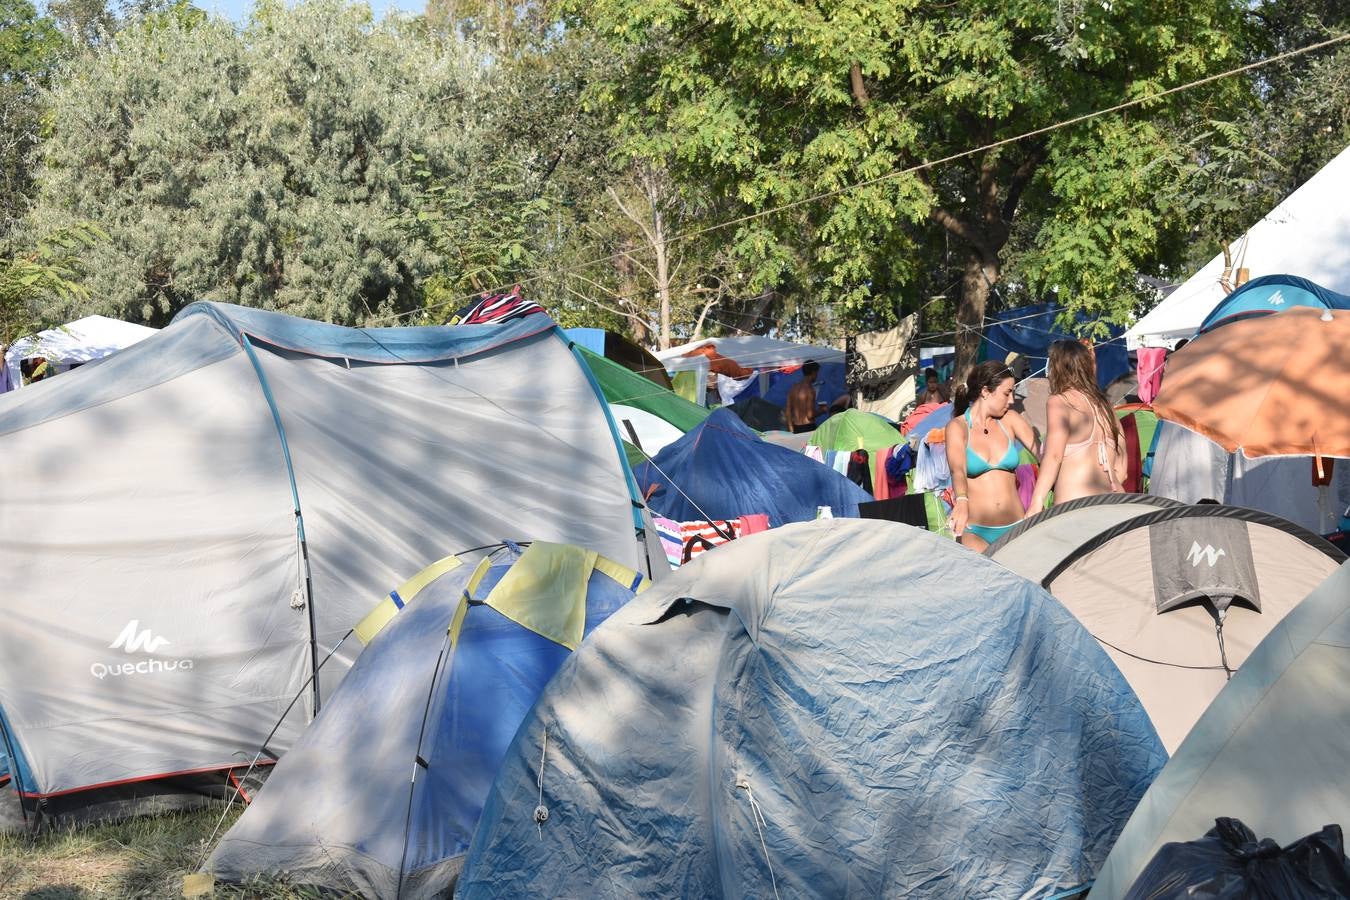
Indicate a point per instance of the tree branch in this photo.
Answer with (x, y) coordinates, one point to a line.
(623, 208)
(1021, 177)
(859, 89)
(960, 229)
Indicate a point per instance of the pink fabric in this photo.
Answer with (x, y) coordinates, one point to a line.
(920, 413)
(1151, 361)
(1026, 483)
(754, 523)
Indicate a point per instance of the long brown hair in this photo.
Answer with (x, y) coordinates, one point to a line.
(1074, 368)
(988, 374)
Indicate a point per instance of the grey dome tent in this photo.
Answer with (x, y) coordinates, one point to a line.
(192, 525)
(832, 708)
(1034, 546)
(1180, 597)
(445, 681)
(1270, 750)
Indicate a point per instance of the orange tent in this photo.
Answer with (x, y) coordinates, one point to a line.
(1271, 386)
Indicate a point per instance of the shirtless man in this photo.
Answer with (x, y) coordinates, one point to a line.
(802, 407)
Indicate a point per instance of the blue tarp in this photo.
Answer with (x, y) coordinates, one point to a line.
(729, 471)
(438, 693)
(1272, 294)
(834, 709)
(829, 384)
(1030, 330)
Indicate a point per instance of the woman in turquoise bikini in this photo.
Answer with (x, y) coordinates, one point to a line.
(983, 440)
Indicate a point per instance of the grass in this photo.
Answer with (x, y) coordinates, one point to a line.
(139, 858)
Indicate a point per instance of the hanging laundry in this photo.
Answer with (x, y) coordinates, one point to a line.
(1151, 360)
(881, 366)
(859, 469)
(729, 387)
(931, 471)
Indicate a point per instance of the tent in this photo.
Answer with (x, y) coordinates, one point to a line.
(832, 709)
(854, 429)
(1272, 294)
(1035, 546)
(723, 470)
(619, 349)
(1180, 597)
(1270, 750)
(1305, 235)
(82, 341)
(228, 496)
(758, 413)
(1030, 330)
(765, 355)
(461, 654)
(625, 389)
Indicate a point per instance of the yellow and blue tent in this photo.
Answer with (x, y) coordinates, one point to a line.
(381, 795)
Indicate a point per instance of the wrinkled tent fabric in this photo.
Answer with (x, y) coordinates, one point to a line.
(1269, 386)
(174, 621)
(1030, 330)
(446, 681)
(82, 341)
(1269, 295)
(1269, 750)
(723, 470)
(1035, 546)
(1135, 587)
(1306, 234)
(821, 710)
(853, 429)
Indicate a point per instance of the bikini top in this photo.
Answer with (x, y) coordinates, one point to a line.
(1105, 453)
(977, 465)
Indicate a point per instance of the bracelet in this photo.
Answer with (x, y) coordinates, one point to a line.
(960, 497)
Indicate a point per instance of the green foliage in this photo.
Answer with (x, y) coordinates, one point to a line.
(769, 102)
(50, 271)
(30, 49)
(266, 167)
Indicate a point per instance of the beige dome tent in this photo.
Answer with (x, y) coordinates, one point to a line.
(1034, 546)
(1270, 750)
(1180, 597)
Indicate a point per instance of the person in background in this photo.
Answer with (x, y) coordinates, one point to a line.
(1084, 446)
(983, 453)
(802, 407)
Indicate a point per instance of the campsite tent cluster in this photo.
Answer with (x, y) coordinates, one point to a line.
(448, 607)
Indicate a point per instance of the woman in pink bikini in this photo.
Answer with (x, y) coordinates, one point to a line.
(1084, 449)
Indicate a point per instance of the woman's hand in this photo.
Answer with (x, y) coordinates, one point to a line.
(959, 517)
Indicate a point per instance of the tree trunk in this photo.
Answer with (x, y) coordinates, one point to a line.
(980, 276)
(662, 274)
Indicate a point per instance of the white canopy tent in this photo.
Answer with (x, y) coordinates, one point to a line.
(81, 341)
(1308, 234)
(752, 351)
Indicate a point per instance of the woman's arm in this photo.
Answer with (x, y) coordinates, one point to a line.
(1056, 436)
(956, 461)
(1023, 431)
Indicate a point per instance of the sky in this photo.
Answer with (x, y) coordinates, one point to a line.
(237, 10)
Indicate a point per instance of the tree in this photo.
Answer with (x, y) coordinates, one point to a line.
(770, 103)
(267, 167)
(30, 49)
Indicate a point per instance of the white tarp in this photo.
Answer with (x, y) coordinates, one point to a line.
(1308, 235)
(81, 341)
(752, 351)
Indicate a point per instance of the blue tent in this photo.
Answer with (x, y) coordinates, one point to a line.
(1271, 294)
(843, 708)
(729, 471)
(457, 656)
(1030, 330)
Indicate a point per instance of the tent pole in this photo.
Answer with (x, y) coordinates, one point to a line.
(13, 766)
(299, 518)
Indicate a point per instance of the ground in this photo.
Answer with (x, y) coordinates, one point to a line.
(141, 858)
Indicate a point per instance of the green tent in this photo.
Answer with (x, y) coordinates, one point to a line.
(853, 429)
(623, 387)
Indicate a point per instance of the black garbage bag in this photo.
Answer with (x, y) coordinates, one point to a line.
(1229, 863)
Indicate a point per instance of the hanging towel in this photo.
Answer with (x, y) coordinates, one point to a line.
(1150, 370)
